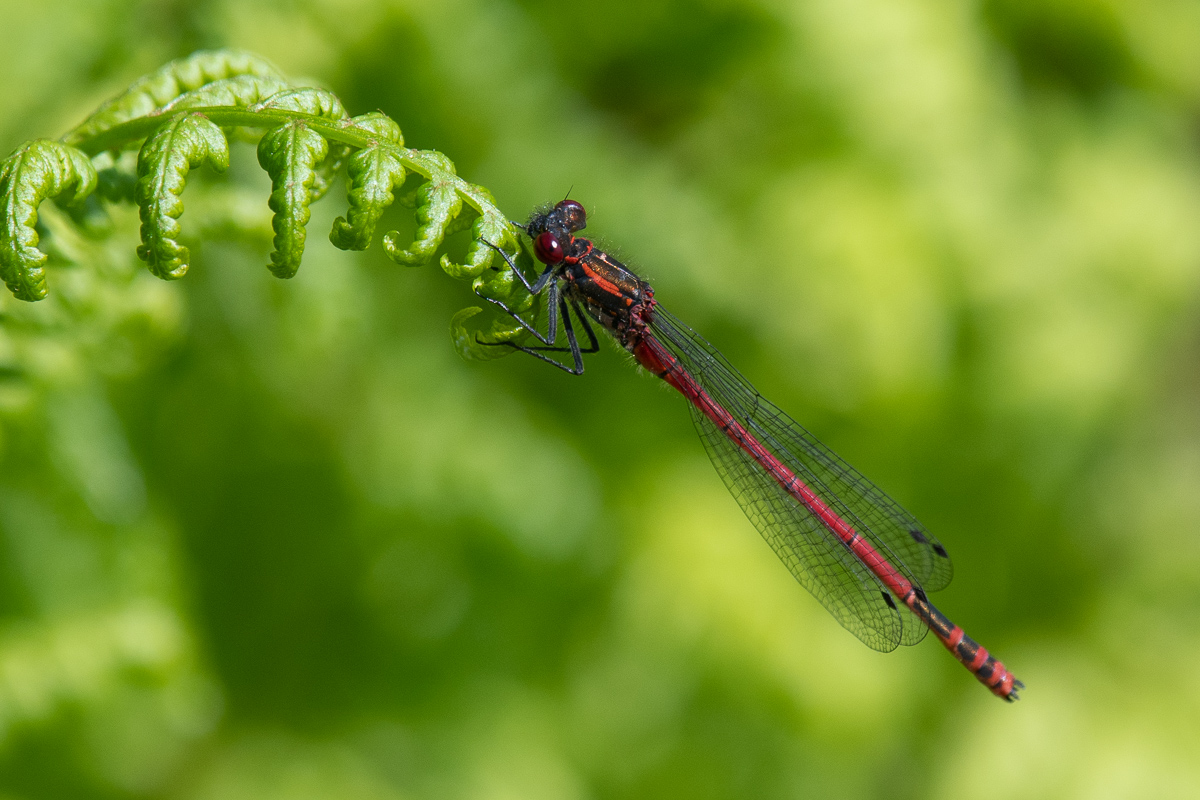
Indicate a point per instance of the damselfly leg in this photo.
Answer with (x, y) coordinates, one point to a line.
(556, 305)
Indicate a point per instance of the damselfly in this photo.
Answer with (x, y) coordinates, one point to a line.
(853, 547)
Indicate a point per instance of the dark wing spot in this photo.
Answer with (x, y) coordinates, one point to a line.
(916, 534)
(887, 598)
(941, 551)
(920, 594)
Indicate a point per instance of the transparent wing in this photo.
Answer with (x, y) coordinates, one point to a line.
(818, 558)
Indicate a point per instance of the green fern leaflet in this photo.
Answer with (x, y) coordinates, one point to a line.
(181, 118)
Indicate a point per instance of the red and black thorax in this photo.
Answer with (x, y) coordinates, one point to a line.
(607, 291)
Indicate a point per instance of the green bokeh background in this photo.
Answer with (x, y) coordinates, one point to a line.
(264, 539)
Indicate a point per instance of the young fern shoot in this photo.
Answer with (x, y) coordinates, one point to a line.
(181, 117)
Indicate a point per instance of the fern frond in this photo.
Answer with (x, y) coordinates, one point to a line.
(152, 93)
(243, 91)
(290, 155)
(39, 170)
(184, 143)
(374, 173)
(438, 203)
(183, 115)
(316, 103)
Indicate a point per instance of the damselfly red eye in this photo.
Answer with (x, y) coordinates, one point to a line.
(547, 248)
(573, 215)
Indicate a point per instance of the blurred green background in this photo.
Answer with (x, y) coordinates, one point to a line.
(264, 539)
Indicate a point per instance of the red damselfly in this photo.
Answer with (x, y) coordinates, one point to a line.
(848, 543)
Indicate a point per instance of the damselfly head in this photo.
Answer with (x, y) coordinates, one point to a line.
(563, 218)
(552, 231)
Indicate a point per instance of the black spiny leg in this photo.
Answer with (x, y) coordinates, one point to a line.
(533, 288)
(553, 331)
(574, 349)
(556, 304)
(576, 352)
(594, 344)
